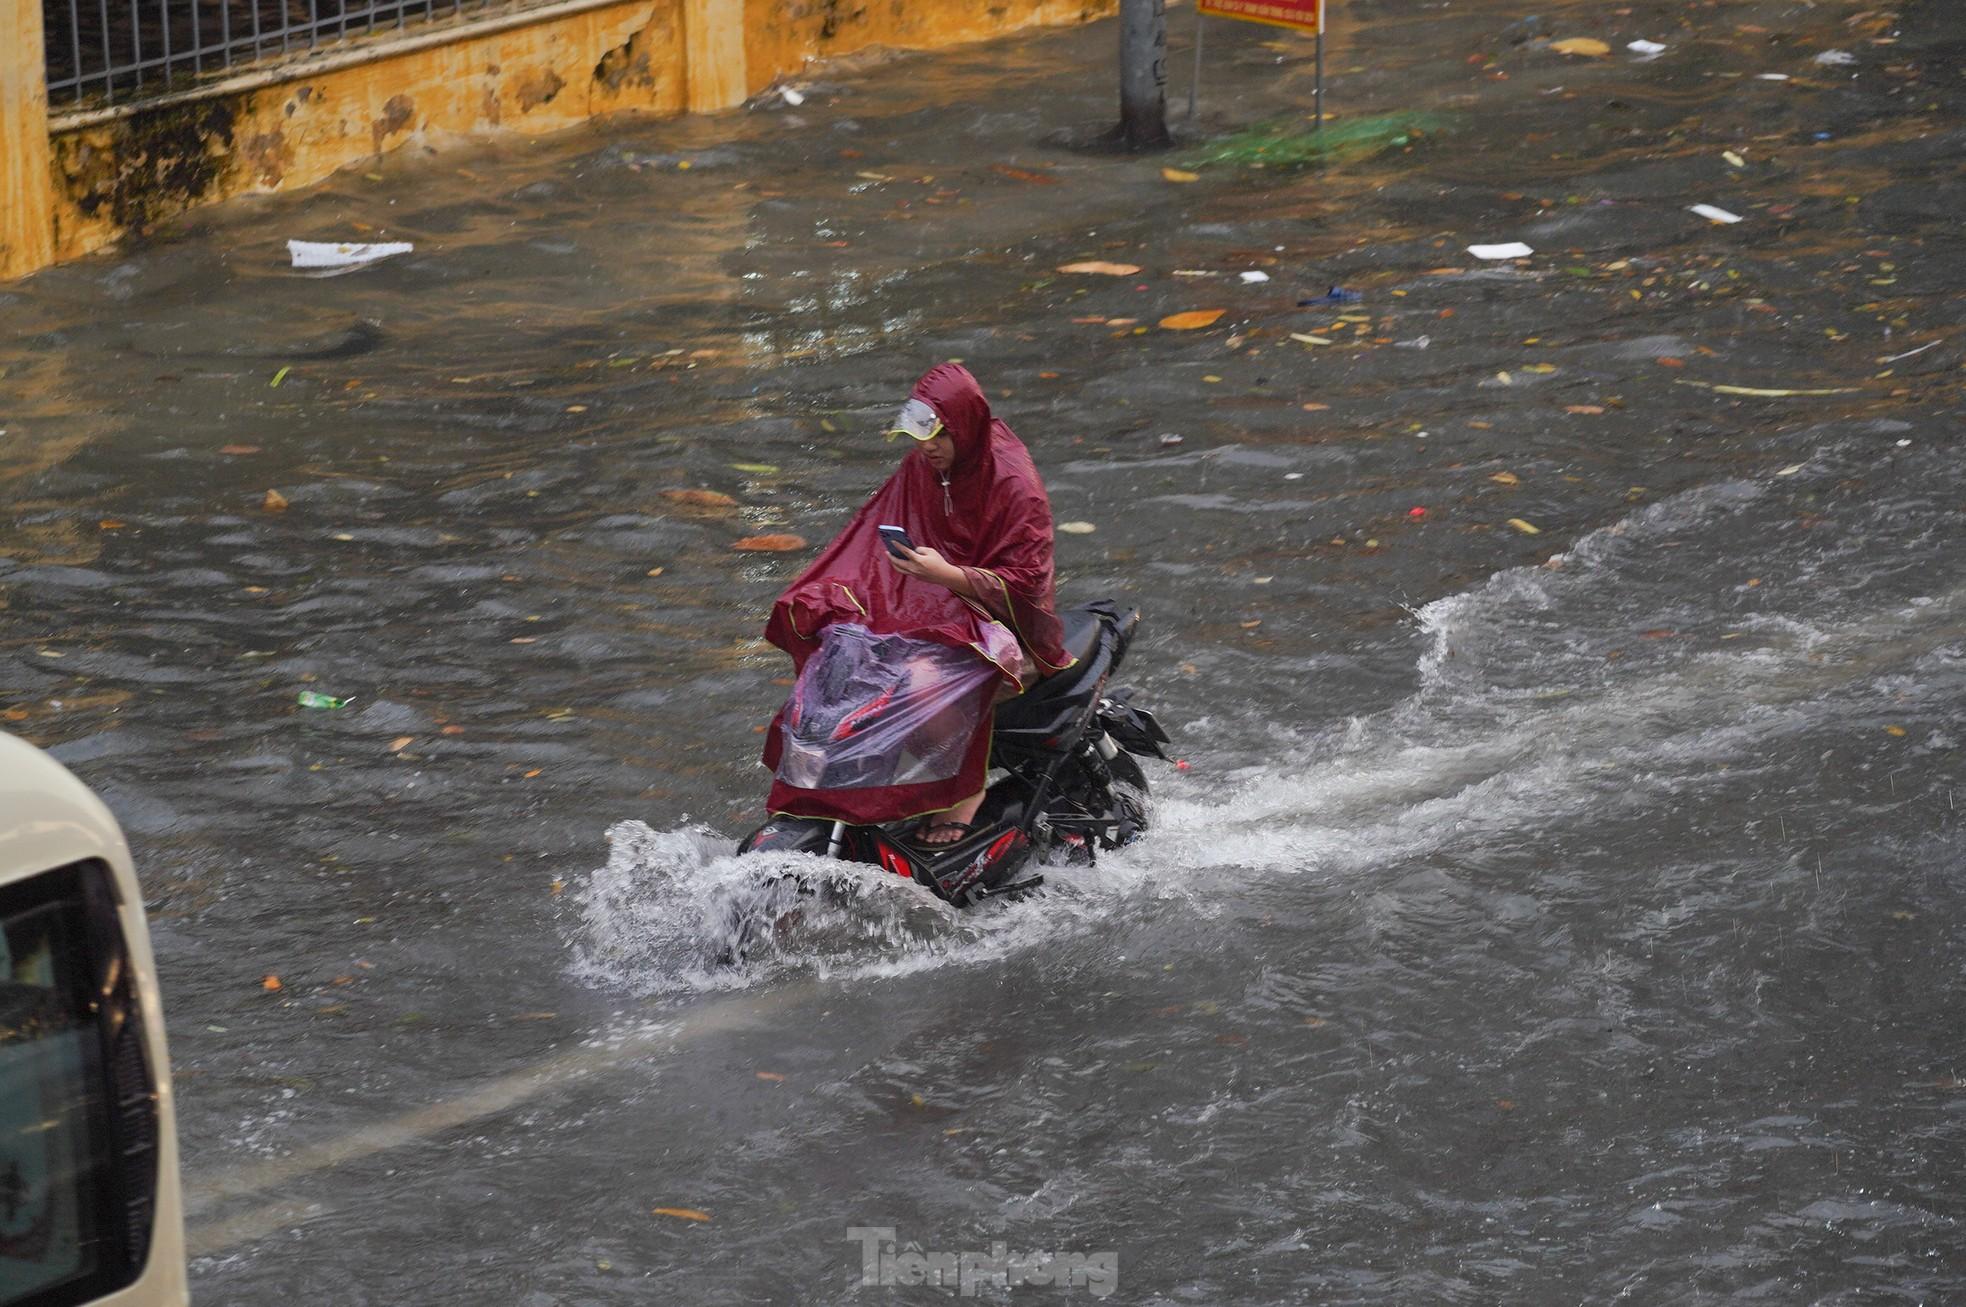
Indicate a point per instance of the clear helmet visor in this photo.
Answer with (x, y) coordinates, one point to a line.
(917, 420)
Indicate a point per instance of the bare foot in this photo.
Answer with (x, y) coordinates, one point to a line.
(952, 825)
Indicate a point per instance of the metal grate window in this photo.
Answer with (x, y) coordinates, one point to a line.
(108, 51)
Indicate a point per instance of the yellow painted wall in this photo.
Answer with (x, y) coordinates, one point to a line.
(116, 177)
(26, 236)
(780, 35)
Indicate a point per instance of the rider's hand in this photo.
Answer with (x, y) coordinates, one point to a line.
(927, 564)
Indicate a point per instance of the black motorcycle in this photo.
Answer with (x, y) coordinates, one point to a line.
(1063, 782)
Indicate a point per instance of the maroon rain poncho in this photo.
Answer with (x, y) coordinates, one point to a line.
(992, 518)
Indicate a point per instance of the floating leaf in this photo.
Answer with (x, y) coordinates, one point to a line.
(1023, 175)
(756, 469)
(1592, 409)
(401, 743)
(1076, 528)
(1177, 175)
(771, 544)
(1524, 527)
(680, 1213)
(700, 498)
(1309, 340)
(1504, 478)
(270, 983)
(1096, 267)
(236, 450)
(275, 502)
(279, 377)
(1894, 730)
(109, 524)
(1584, 45)
(1193, 320)
(771, 1076)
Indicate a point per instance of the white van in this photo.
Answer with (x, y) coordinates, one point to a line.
(89, 1207)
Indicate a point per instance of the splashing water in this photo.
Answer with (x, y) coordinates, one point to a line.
(675, 910)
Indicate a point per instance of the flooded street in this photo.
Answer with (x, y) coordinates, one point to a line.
(1562, 897)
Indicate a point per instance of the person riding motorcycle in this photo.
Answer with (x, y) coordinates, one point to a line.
(963, 619)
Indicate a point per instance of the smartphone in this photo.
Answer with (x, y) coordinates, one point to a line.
(896, 536)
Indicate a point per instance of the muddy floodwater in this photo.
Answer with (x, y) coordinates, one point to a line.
(1561, 897)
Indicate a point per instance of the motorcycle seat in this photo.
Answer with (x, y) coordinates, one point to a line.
(1081, 632)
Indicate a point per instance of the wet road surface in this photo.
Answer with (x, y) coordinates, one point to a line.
(1562, 900)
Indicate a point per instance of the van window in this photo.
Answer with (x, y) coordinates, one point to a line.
(66, 1015)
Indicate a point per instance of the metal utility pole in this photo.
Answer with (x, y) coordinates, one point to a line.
(1143, 74)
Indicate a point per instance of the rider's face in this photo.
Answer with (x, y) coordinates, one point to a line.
(940, 451)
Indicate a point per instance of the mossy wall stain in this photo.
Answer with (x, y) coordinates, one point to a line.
(536, 88)
(150, 165)
(628, 64)
(397, 111)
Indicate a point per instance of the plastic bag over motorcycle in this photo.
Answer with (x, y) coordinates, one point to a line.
(876, 711)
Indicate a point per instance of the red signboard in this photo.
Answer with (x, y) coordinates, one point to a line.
(1304, 15)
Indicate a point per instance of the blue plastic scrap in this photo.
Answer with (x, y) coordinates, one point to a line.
(1336, 295)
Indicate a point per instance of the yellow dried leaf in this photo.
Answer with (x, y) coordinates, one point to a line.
(1177, 175)
(1098, 268)
(771, 544)
(401, 743)
(275, 502)
(1504, 478)
(680, 1213)
(1524, 527)
(1584, 45)
(1193, 320)
(700, 498)
(772, 1076)
(1894, 730)
(270, 983)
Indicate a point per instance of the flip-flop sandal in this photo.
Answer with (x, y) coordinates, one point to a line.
(962, 828)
